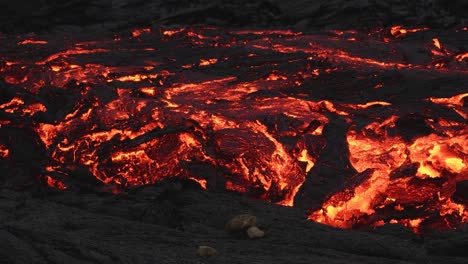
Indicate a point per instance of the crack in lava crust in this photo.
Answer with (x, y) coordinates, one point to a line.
(252, 112)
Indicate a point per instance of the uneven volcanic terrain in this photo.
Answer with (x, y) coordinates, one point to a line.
(360, 129)
(138, 145)
(166, 223)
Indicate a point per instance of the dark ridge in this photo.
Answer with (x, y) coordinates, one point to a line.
(22, 16)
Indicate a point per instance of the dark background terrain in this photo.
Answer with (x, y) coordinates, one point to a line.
(167, 222)
(69, 15)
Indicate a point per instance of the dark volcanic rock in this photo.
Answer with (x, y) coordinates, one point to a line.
(449, 244)
(69, 15)
(101, 228)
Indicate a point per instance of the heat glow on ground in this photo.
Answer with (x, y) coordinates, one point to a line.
(248, 111)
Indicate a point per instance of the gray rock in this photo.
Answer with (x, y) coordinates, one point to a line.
(255, 232)
(206, 251)
(241, 222)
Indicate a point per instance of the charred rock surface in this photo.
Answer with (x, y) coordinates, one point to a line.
(166, 223)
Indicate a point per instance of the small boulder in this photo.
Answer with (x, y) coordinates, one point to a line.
(255, 232)
(241, 222)
(206, 251)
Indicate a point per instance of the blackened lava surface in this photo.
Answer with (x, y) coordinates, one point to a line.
(166, 223)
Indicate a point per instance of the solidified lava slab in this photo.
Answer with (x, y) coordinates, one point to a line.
(361, 129)
(166, 222)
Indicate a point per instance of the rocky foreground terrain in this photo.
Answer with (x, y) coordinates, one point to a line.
(168, 222)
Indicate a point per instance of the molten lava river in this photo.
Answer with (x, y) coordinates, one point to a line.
(358, 128)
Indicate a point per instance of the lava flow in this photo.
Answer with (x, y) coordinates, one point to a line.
(371, 127)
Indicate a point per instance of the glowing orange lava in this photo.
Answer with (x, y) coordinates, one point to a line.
(399, 31)
(254, 111)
